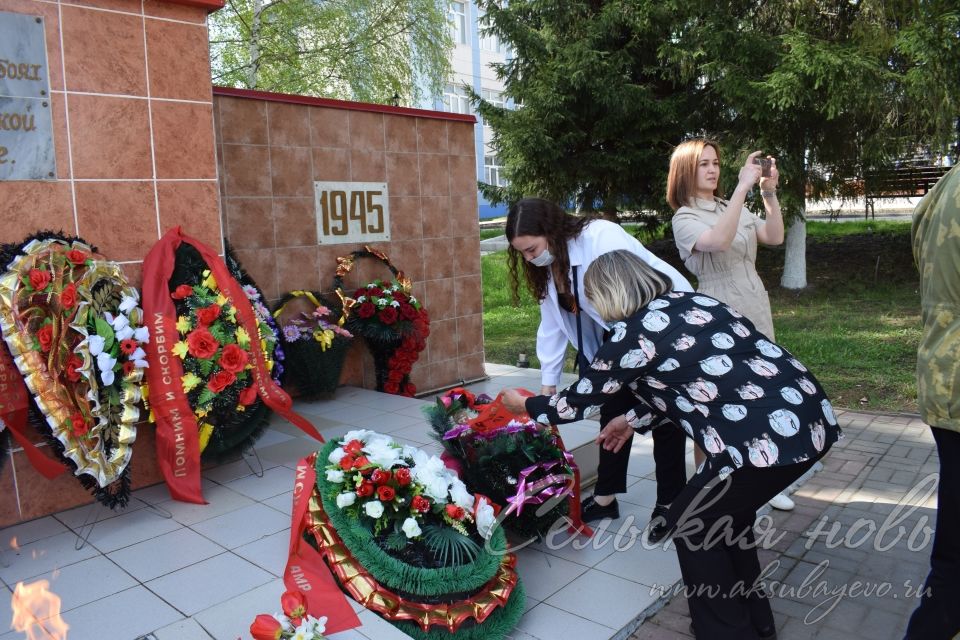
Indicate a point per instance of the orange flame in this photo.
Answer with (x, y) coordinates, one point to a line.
(36, 612)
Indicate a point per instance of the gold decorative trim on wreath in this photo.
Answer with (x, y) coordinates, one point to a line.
(345, 264)
(46, 376)
(367, 591)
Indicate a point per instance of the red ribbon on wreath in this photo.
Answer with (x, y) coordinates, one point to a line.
(494, 416)
(178, 445)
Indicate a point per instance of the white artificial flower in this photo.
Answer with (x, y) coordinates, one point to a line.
(107, 377)
(486, 520)
(358, 434)
(96, 345)
(395, 304)
(108, 316)
(413, 300)
(382, 302)
(334, 475)
(124, 333)
(346, 499)
(105, 361)
(284, 621)
(128, 303)
(3, 425)
(120, 322)
(361, 299)
(374, 509)
(140, 363)
(139, 354)
(459, 494)
(411, 527)
(142, 334)
(380, 451)
(336, 455)
(319, 624)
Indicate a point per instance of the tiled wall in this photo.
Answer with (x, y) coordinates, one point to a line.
(270, 152)
(133, 131)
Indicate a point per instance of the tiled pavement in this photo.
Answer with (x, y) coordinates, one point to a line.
(856, 549)
(206, 571)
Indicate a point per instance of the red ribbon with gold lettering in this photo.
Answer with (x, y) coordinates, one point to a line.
(306, 571)
(14, 400)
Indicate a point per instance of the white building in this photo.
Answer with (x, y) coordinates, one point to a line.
(470, 58)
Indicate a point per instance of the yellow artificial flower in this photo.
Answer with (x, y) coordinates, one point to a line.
(222, 300)
(243, 338)
(232, 314)
(181, 349)
(209, 281)
(183, 324)
(201, 413)
(190, 382)
(324, 337)
(206, 430)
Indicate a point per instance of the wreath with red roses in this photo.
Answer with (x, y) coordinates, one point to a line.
(392, 322)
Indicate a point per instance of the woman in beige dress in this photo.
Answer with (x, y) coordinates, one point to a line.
(717, 238)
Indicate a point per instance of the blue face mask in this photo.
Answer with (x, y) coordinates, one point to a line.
(545, 259)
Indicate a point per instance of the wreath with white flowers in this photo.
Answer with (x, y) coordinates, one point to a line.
(75, 329)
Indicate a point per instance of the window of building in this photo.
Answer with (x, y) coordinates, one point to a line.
(492, 171)
(493, 97)
(455, 99)
(457, 15)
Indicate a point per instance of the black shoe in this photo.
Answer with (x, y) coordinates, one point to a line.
(657, 529)
(770, 633)
(590, 511)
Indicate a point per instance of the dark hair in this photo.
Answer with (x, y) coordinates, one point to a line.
(539, 217)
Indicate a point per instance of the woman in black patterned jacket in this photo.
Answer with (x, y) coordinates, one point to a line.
(758, 413)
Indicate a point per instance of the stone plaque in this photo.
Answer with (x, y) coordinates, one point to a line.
(26, 126)
(357, 212)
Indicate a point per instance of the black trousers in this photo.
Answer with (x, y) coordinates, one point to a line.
(715, 546)
(669, 445)
(938, 616)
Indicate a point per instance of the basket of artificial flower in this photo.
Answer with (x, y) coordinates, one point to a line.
(315, 342)
(405, 539)
(74, 328)
(520, 464)
(391, 321)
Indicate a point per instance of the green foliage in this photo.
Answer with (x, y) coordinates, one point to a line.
(600, 108)
(367, 50)
(451, 547)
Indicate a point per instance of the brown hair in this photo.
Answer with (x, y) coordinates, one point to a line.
(539, 217)
(682, 179)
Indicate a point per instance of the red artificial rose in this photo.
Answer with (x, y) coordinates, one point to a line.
(388, 315)
(248, 395)
(410, 389)
(407, 311)
(373, 292)
(128, 346)
(354, 447)
(420, 504)
(221, 380)
(391, 387)
(361, 461)
(181, 292)
(381, 477)
(394, 376)
(78, 424)
(207, 315)
(201, 343)
(386, 494)
(346, 463)
(455, 512)
(128, 367)
(74, 362)
(424, 315)
(77, 257)
(403, 476)
(294, 605)
(45, 337)
(365, 490)
(39, 279)
(233, 358)
(399, 295)
(266, 627)
(366, 310)
(68, 297)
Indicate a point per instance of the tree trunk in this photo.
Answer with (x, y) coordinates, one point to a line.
(254, 46)
(795, 258)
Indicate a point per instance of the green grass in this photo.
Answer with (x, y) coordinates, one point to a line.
(486, 234)
(857, 325)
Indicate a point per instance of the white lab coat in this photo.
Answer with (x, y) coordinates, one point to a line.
(558, 327)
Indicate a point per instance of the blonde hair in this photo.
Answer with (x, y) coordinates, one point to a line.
(619, 284)
(682, 179)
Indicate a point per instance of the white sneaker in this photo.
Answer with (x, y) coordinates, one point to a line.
(781, 502)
